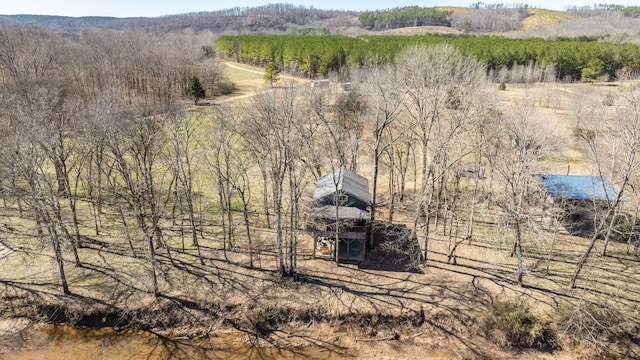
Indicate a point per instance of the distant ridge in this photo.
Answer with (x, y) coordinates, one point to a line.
(270, 18)
(55, 18)
(57, 21)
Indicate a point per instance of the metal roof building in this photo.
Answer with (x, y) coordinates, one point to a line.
(339, 216)
(579, 187)
(342, 182)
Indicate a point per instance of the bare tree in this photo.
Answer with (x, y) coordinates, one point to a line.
(226, 145)
(520, 140)
(134, 142)
(613, 141)
(273, 133)
(25, 148)
(432, 78)
(386, 106)
(29, 52)
(182, 128)
(332, 144)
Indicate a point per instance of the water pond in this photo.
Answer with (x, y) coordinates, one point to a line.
(64, 342)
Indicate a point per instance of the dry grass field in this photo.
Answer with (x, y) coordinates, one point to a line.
(348, 311)
(543, 17)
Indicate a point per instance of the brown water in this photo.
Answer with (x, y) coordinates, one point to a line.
(64, 342)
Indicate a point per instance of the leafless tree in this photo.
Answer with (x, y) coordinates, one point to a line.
(225, 140)
(29, 149)
(386, 106)
(332, 144)
(183, 128)
(432, 79)
(278, 133)
(613, 141)
(29, 52)
(489, 20)
(520, 140)
(134, 141)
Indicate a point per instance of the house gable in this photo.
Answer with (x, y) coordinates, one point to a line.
(352, 190)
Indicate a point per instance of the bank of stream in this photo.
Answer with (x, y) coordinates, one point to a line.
(68, 342)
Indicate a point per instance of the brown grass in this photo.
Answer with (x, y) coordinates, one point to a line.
(543, 17)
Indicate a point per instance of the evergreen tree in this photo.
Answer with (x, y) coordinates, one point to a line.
(195, 90)
(271, 73)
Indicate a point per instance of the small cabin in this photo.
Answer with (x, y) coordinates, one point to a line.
(339, 211)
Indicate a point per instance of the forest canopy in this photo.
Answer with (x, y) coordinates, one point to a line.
(318, 55)
(402, 17)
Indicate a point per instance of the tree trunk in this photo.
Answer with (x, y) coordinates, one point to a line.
(245, 213)
(374, 184)
(222, 218)
(608, 233)
(152, 261)
(265, 196)
(518, 251)
(279, 236)
(585, 256)
(55, 242)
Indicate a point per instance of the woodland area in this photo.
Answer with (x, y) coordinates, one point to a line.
(128, 168)
(312, 56)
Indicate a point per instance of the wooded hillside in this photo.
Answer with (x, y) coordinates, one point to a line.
(568, 58)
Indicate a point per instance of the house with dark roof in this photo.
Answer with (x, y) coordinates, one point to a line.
(344, 188)
(339, 211)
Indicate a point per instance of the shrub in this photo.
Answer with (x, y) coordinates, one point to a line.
(510, 323)
(592, 326)
(584, 133)
(608, 100)
(502, 86)
(225, 87)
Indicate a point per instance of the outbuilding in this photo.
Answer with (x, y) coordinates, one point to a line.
(339, 211)
(581, 198)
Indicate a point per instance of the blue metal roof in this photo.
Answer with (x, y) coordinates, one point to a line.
(579, 187)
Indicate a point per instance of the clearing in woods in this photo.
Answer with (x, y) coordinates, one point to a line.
(348, 310)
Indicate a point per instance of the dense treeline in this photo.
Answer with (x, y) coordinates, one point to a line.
(288, 18)
(403, 17)
(631, 11)
(318, 55)
(152, 68)
(482, 5)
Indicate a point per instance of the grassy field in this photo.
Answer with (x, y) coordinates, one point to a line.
(543, 17)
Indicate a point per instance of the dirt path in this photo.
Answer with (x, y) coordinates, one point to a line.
(261, 73)
(249, 81)
(234, 66)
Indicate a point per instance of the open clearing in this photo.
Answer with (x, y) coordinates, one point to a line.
(350, 311)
